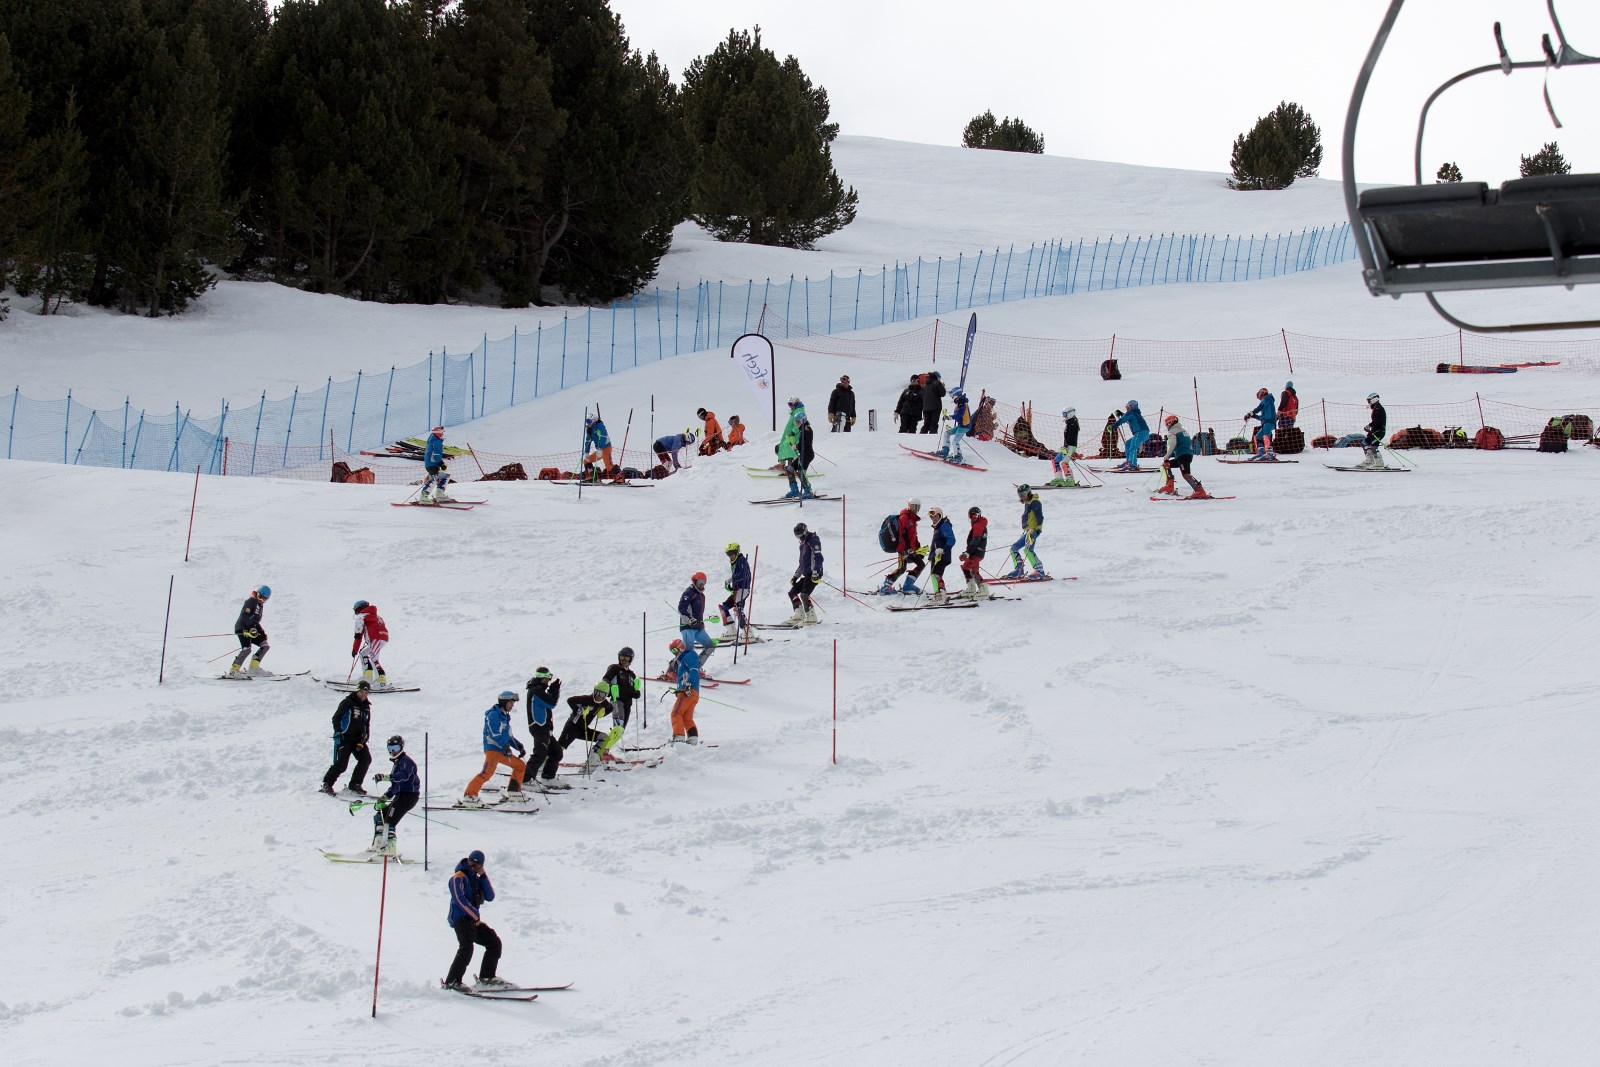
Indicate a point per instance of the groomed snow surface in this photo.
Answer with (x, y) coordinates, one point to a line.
(1303, 777)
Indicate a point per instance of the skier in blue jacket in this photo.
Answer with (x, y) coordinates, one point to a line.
(960, 426)
(596, 446)
(940, 546)
(470, 889)
(1267, 412)
(433, 463)
(738, 589)
(405, 788)
(1138, 434)
(807, 576)
(692, 616)
(498, 744)
(667, 449)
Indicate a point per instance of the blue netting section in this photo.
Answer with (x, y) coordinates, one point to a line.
(450, 389)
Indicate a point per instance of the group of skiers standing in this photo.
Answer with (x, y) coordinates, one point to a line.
(912, 558)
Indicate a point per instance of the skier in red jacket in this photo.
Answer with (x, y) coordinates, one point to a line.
(370, 637)
(906, 548)
(972, 558)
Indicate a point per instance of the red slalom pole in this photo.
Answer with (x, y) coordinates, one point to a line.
(383, 895)
(195, 500)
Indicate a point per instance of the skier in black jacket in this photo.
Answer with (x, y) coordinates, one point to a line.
(909, 407)
(544, 692)
(247, 628)
(1375, 431)
(352, 721)
(842, 406)
(932, 402)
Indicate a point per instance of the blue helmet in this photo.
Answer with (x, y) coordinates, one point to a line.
(1133, 405)
(1288, 385)
(360, 604)
(264, 592)
(505, 695)
(958, 392)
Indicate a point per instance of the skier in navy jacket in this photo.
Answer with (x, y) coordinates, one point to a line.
(470, 889)
(352, 723)
(692, 616)
(544, 692)
(807, 576)
(405, 788)
(738, 587)
(940, 545)
(247, 628)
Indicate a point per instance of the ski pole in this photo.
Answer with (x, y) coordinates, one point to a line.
(849, 596)
(230, 652)
(195, 637)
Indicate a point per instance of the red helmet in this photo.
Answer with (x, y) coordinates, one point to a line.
(698, 576)
(438, 431)
(1172, 420)
(1261, 393)
(676, 646)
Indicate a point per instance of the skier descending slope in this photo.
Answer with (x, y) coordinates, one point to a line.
(498, 744)
(352, 722)
(247, 628)
(470, 889)
(1138, 434)
(370, 638)
(972, 559)
(405, 789)
(1032, 525)
(1180, 454)
(807, 576)
(1375, 431)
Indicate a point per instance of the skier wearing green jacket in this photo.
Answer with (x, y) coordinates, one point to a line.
(794, 449)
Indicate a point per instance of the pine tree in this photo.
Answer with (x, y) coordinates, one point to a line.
(1448, 172)
(53, 247)
(765, 173)
(1283, 145)
(14, 145)
(1548, 160)
(1008, 135)
(615, 183)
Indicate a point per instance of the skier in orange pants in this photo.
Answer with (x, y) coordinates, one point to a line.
(685, 670)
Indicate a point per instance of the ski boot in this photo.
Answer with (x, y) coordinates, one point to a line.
(1038, 576)
(515, 795)
(886, 588)
(910, 588)
(1199, 494)
(356, 789)
(957, 458)
(678, 739)
(1170, 489)
(458, 987)
(1270, 457)
(798, 618)
(326, 788)
(382, 681)
(469, 802)
(793, 493)
(441, 497)
(234, 671)
(380, 840)
(810, 617)
(492, 982)
(693, 739)
(554, 785)
(591, 762)
(1014, 572)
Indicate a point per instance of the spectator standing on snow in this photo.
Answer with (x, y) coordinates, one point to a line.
(842, 407)
(909, 407)
(932, 402)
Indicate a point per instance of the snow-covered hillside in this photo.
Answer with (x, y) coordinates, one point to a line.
(1298, 777)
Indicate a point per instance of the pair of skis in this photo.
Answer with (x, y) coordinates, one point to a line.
(516, 993)
(941, 459)
(350, 687)
(261, 676)
(795, 499)
(454, 505)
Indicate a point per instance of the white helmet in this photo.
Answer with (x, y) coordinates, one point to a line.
(1069, 413)
(914, 505)
(1371, 397)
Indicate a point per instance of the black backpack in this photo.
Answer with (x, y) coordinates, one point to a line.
(889, 532)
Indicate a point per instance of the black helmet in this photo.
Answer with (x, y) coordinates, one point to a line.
(1024, 489)
(625, 652)
(363, 686)
(973, 513)
(915, 378)
(800, 529)
(396, 742)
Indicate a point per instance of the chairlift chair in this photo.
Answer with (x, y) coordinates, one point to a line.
(1460, 236)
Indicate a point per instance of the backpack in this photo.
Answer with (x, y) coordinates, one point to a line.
(1289, 441)
(1456, 437)
(1109, 371)
(889, 533)
(1489, 439)
(341, 471)
(361, 476)
(1579, 427)
(1325, 441)
(1553, 438)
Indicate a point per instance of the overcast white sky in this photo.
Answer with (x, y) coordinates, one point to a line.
(1167, 82)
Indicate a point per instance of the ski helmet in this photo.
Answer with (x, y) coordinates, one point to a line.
(794, 401)
(1172, 420)
(700, 412)
(958, 392)
(1261, 392)
(438, 431)
(542, 672)
(800, 529)
(1289, 386)
(1133, 405)
(264, 592)
(396, 744)
(688, 435)
(935, 513)
(733, 420)
(360, 604)
(732, 549)
(973, 512)
(914, 506)
(1371, 397)
(363, 686)
(1024, 489)
(698, 577)
(590, 420)
(676, 646)
(915, 378)
(800, 415)
(603, 688)
(505, 695)
(625, 652)
(475, 857)
(1070, 413)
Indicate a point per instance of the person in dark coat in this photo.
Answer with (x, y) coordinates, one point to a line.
(932, 402)
(972, 558)
(352, 722)
(247, 628)
(842, 406)
(1375, 431)
(470, 889)
(909, 407)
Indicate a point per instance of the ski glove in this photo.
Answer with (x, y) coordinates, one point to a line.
(380, 777)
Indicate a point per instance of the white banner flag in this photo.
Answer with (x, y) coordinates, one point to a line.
(753, 353)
